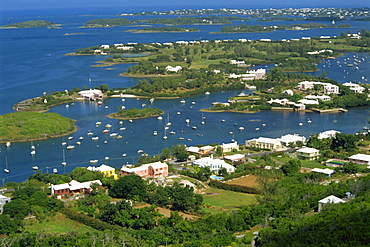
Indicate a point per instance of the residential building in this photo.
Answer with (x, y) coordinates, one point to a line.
(3, 200)
(91, 94)
(309, 102)
(331, 89)
(229, 147)
(235, 158)
(106, 170)
(354, 87)
(327, 134)
(308, 153)
(360, 158)
(238, 63)
(329, 199)
(153, 170)
(328, 87)
(214, 164)
(264, 143)
(288, 139)
(206, 149)
(328, 172)
(73, 187)
(176, 69)
(318, 97)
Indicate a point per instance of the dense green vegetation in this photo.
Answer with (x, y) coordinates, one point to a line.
(165, 29)
(106, 22)
(28, 24)
(259, 28)
(134, 113)
(33, 125)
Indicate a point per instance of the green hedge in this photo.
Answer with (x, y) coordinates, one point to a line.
(233, 187)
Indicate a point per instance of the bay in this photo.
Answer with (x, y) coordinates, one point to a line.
(33, 62)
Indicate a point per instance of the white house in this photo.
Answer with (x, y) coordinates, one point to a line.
(265, 143)
(308, 153)
(3, 200)
(214, 164)
(91, 94)
(328, 87)
(235, 158)
(329, 199)
(238, 63)
(354, 87)
(318, 97)
(229, 147)
(328, 172)
(308, 102)
(289, 138)
(289, 92)
(360, 158)
(176, 69)
(331, 89)
(327, 134)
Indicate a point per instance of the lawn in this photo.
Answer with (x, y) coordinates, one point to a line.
(58, 224)
(305, 163)
(226, 201)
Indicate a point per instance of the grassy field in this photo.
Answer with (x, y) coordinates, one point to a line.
(58, 224)
(226, 201)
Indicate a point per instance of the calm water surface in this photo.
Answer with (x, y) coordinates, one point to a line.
(33, 62)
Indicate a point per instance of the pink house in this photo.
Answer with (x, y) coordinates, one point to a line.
(153, 170)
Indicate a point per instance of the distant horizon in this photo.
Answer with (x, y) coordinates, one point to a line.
(171, 5)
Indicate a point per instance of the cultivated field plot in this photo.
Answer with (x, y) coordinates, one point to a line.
(250, 181)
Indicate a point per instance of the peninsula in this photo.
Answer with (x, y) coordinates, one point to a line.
(29, 24)
(134, 113)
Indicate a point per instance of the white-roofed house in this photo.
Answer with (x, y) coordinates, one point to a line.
(308, 153)
(193, 149)
(292, 139)
(91, 94)
(206, 149)
(176, 69)
(107, 171)
(3, 200)
(330, 199)
(73, 187)
(354, 87)
(328, 172)
(153, 170)
(229, 147)
(213, 164)
(327, 134)
(264, 143)
(360, 158)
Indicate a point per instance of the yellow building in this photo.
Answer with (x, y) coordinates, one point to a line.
(106, 170)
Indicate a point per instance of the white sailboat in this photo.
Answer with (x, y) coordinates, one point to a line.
(64, 163)
(6, 170)
(168, 120)
(165, 136)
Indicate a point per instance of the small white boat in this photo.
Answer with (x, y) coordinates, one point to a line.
(241, 128)
(168, 124)
(108, 126)
(123, 107)
(193, 103)
(309, 121)
(106, 131)
(207, 93)
(6, 170)
(178, 113)
(123, 128)
(55, 170)
(98, 123)
(194, 127)
(120, 122)
(33, 152)
(105, 142)
(114, 134)
(64, 163)
(187, 121)
(139, 151)
(202, 123)
(64, 143)
(166, 128)
(78, 143)
(81, 138)
(69, 147)
(155, 133)
(35, 167)
(130, 120)
(93, 161)
(119, 137)
(90, 133)
(263, 124)
(124, 155)
(181, 138)
(123, 100)
(182, 101)
(231, 133)
(70, 137)
(106, 107)
(67, 105)
(165, 137)
(256, 129)
(300, 124)
(223, 120)
(95, 138)
(172, 132)
(106, 158)
(8, 144)
(159, 117)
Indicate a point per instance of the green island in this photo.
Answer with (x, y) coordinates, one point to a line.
(26, 126)
(209, 20)
(163, 30)
(281, 203)
(243, 28)
(134, 113)
(29, 24)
